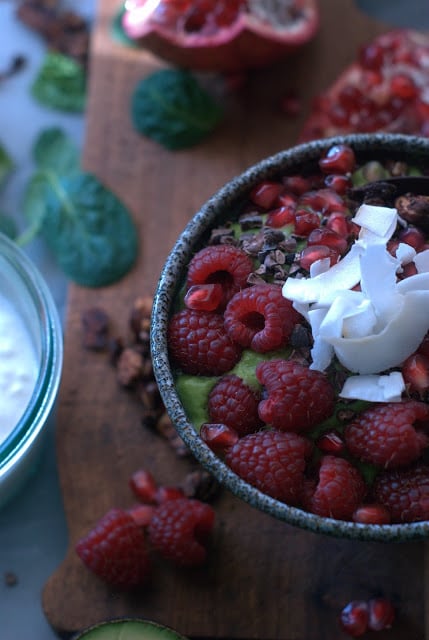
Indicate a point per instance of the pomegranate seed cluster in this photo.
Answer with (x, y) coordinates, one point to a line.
(243, 352)
(384, 89)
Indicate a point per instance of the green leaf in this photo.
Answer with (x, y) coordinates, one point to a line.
(34, 206)
(60, 83)
(6, 164)
(87, 228)
(170, 107)
(54, 151)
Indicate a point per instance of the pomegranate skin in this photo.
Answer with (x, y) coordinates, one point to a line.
(246, 44)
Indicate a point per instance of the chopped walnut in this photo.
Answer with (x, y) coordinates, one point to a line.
(95, 327)
(129, 366)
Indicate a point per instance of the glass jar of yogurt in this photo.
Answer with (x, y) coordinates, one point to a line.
(31, 354)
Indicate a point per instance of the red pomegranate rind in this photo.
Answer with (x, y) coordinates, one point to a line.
(247, 43)
(373, 93)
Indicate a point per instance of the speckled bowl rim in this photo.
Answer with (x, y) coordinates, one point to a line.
(172, 274)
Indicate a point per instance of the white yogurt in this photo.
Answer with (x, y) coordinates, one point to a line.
(18, 367)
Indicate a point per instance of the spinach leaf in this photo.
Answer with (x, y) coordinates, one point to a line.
(87, 228)
(60, 83)
(172, 108)
(6, 164)
(53, 150)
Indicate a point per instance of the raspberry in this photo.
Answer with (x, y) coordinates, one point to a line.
(405, 493)
(273, 462)
(179, 530)
(115, 550)
(233, 403)
(260, 317)
(199, 344)
(221, 264)
(339, 491)
(385, 435)
(298, 397)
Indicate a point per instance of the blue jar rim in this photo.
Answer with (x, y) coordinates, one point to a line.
(46, 387)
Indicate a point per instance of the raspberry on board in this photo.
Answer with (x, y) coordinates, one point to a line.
(179, 530)
(404, 492)
(115, 550)
(339, 490)
(273, 462)
(222, 264)
(260, 318)
(298, 398)
(233, 403)
(386, 435)
(199, 344)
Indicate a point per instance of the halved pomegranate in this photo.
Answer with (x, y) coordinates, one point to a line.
(385, 89)
(221, 35)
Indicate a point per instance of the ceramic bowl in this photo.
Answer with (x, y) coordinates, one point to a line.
(212, 214)
(30, 368)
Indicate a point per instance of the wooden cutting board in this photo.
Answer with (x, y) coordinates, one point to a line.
(265, 580)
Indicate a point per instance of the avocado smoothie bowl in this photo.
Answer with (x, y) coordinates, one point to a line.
(290, 336)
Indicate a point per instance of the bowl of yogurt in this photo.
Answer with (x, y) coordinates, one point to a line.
(31, 355)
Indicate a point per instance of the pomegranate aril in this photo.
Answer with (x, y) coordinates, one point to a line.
(338, 222)
(415, 371)
(286, 200)
(340, 158)
(372, 514)
(408, 270)
(330, 442)
(168, 493)
(204, 297)
(403, 86)
(309, 255)
(218, 437)
(412, 236)
(305, 222)
(281, 216)
(323, 201)
(329, 238)
(143, 485)
(297, 184)
(354, 618)
(142, 514)
(381, 614)
(265, 194)
(338, 183)
(371, 57)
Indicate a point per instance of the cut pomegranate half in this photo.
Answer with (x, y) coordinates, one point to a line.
(221, 35)
(386, 88)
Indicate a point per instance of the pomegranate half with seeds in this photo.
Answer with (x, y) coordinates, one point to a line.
(221, 35)
(386, 88)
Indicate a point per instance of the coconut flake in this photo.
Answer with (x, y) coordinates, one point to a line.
(387, 388)
(367, 330)
(376, 222)
(421, 261)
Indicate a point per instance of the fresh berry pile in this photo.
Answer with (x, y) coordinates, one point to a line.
(246, 350)
(165, 521)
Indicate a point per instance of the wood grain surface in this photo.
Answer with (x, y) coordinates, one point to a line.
(265, 580)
